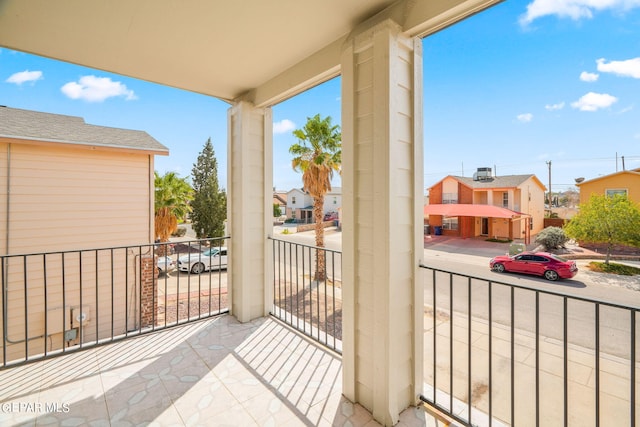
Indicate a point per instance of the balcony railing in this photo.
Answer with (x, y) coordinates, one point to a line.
(57, 302)
(500, 354)
(307, 290)
(496, 354)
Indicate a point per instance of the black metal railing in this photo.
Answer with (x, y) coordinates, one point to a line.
(307, 290)
(57, 302)
(501, 354)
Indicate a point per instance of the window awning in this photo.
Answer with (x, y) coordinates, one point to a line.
(456, 209)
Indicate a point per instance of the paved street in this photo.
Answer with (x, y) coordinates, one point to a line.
(471, 257)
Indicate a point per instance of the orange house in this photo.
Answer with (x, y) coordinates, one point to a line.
(623, 182)
(506, 207)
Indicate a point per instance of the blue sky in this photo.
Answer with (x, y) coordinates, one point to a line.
(512, 88)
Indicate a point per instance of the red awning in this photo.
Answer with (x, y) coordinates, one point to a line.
(455, 209)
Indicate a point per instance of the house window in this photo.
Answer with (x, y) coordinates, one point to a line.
(335, 200)
(612, 192)
(293, 200)
(505, 200)
(448, 198)
(450, 223)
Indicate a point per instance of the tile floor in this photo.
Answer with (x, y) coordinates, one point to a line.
(217, 372)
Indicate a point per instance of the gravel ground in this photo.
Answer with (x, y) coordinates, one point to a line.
(185, 307)
(608, 279)
(316, 306)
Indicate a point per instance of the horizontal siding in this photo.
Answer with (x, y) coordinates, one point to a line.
(64, 199)
(108, 296)
(3, 197)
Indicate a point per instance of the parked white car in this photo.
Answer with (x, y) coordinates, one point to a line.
(211, 259)
(165, 264)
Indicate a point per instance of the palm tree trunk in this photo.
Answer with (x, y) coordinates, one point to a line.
(318, 207)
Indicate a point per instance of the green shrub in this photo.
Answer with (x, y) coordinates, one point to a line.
(552, 238)
(624, 270)
(498, 240)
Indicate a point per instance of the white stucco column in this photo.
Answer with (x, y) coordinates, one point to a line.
(249, 209)
(382, 220)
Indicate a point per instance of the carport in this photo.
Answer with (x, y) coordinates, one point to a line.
(478, 211)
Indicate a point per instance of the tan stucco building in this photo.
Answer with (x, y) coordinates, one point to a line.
(66, 185)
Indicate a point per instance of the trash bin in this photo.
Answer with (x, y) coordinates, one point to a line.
(516, 248)
(427, 230)
(438, 230)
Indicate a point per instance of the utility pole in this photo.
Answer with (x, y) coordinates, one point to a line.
(550, 200)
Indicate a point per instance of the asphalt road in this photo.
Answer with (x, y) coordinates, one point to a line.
(584, 293)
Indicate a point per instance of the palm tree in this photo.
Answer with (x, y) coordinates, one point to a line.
(318, 154)
(172, 196)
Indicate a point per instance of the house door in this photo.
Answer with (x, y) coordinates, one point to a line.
(485, 227)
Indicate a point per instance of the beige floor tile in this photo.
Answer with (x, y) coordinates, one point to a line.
(21, 381)
(270, 410)
(216, 372)
(232, 417)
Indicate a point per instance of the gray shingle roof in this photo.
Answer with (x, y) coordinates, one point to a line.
(496, 181)
(25, 124)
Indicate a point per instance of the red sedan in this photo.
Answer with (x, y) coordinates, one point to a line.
(550, 266)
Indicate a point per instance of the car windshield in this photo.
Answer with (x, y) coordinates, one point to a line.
(211, 252)
(558, 258)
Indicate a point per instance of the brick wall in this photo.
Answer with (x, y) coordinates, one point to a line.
(148, 290)
(309, 227)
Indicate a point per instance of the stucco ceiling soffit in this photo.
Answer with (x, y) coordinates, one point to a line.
(254, 50)
(312, 71)
(419, 18)
(423, 18)
(414, 17)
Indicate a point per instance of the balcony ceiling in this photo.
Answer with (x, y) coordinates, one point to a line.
(261, 51)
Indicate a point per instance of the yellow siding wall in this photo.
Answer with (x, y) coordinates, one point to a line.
(629, 181)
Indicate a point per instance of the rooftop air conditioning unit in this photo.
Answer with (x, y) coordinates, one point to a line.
(482, 174)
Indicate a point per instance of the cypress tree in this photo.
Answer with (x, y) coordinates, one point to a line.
(209, 205)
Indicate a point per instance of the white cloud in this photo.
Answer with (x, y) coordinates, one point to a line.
(626, 109)
(594, 101)
(283, 126)
(525, 118)
(589, 77)
(24, 77)
(555, 107)
(572, 9)
(628, 68)
(96, 89)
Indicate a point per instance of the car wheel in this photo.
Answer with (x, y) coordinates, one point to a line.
(498, 267)
(551, 275)
(197, 268)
